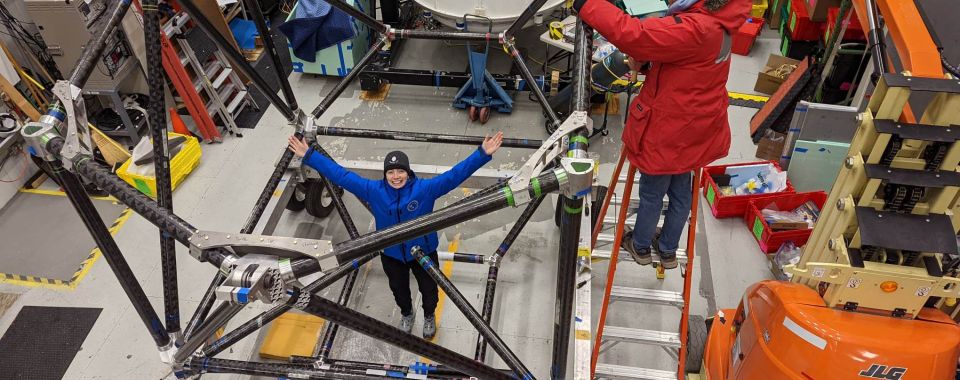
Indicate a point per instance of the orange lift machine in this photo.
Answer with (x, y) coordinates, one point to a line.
(863, 300)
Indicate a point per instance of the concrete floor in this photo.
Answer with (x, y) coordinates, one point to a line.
(218, 194)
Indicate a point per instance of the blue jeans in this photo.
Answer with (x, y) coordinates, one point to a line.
(677, 187)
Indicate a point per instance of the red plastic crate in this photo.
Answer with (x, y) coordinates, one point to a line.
(746, 35)
(854, 29)
(798, 23)
(769, 240)
(735, 205)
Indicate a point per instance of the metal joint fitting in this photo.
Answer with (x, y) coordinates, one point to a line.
(167, 352)
(309, 127)
(37, 135)
(390, 34)
(279, 246)
(503, 38)
(579, 176)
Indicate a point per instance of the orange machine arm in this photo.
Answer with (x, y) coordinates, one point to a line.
(914, 45)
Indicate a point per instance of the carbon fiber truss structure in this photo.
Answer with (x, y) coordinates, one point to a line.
(267, 269)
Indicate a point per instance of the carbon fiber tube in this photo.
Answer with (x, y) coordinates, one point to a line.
(237, 61)
(330, 330)
(267, 193)
(198, 365)
(206, 303)
(570, 216)
(528, 76)
(446, 36)
(525, 17)
(111, 252)
(469, 258)
(93, 50)
(433, 371)
(423, 137)
(161, 160)
(218, 319)
(438, 220)
(472, 315)
(374, 328)
(253, 7)
(491, 290)
(347, 79)
(254, 324)
(359, 15)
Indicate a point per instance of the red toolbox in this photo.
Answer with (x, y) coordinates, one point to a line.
(746, 35)
(798, 24)
(854, 29)
(733, 205)
(771, 240)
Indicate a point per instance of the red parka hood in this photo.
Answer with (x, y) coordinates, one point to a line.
(731, 16)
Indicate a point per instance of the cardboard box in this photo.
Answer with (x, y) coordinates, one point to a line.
(767, 83)
(770, 146)
(818, 9)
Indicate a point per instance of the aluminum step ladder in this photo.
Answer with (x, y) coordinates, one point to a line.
(223, 93)
(608, 233)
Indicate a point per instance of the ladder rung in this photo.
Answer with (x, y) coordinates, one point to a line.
(641, 336)
(631, 220)
(634, 202)
(184, 61)
(610, 371)
(648, 296)
(235, 103)
(624, 256)
(222, 77)
(198, 84)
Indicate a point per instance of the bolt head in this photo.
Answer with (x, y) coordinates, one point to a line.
(841, 204)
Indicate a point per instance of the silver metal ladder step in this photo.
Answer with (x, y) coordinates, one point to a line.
(610, 371)
(647, 296)
(641, 336)
(604, 254)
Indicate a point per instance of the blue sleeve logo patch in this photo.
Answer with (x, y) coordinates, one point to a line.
(413, 205)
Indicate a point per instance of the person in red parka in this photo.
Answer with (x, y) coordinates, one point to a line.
(678, 123)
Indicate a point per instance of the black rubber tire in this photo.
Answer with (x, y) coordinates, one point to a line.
(318, 201)
(297, 200)
(696, 343)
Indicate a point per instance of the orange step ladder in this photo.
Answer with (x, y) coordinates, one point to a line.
(607, 336)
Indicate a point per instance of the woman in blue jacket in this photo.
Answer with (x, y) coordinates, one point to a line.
(401, 196)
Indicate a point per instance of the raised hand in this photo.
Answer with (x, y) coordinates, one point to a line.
(297, 146)
(491, 144)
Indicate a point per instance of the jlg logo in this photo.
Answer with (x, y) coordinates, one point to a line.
(877, 371)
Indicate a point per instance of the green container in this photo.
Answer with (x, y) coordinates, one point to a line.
(339, 59)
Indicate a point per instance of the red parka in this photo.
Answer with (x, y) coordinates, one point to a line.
(679, 121)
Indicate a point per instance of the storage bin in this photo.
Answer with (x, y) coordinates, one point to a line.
(799, 24)
(734, 205)
(180, 165)
(770, 240)
(759, 8)
(746, 36)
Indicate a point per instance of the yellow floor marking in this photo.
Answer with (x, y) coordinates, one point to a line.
(61, 194)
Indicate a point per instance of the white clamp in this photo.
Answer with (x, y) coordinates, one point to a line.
(77, 142)
(552, 148)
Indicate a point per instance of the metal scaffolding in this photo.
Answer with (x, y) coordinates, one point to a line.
(263, 268)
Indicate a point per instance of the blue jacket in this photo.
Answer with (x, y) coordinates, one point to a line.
(392, 206)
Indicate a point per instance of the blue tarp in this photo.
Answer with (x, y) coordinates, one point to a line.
(316, 26)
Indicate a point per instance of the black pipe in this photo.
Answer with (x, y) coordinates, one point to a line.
(330, 330)
(111, 252)
(347, 79)
(537, 92)
(446, 36)
(206, 303)
(472, 315)
(219, 318)
(440, 219)
(161, 160)
(267, 193)
(252, 325)
(423, 137)
(200, 365)
(570, 216)
(90, 56)
(253, 9)
(237, 61)
(525, 17)
(491, 290)
(360, 15)
(432, 370)
(456, 79)
(875, 39)
(374, 328)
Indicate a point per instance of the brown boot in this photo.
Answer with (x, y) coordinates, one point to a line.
(641, 256)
